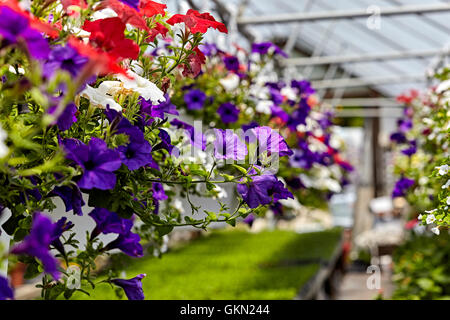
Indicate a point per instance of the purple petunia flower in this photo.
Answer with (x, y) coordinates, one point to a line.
(71, 196)
(132, 3)
(271, 141)
(404, 125)
(166, 142)
(249, 219)
(279, 112)
(137, 153)
(158, 111)
(276, 96)
(263, 48)
(303, 158)
(97, 161)
(158, 191)
(5, 290)
(66, 118)
(412, 149)
(195, 99)
(61, 226)
(401, 186)
(15, 28)
(208, 49)
(299, 115)
(229, 113)
(231, 63)
(262, 190)
(37, 244)
(197, 138)
(132, 287)
(128, 243)
(109, 222)
(303, 87)
(250, 125)
(64, 58)
(228, 145)
(398, 137)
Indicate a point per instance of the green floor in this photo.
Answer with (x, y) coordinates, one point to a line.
(232, 264)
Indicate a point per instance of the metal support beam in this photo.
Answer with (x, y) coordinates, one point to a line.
(364, 58)
(358, 82)
(342, 14)
(363, 102)
(370, 113)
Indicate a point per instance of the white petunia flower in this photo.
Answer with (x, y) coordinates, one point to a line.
(3, 148)
(99, 98)
(177, 204)
(147, 89)
(435, 230)
(420, 217)
(443, 170)
(446, 185)
(231, 82)
(430, 218)
(263, 106)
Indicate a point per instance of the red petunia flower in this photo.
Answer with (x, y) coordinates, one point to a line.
(99, 61)
(158, 29)
(151, 8)
(108, 34)
(408, 98)
(196, 60)
(197, 22)
(126, 13)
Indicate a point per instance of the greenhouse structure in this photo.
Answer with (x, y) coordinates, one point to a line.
(224, 150)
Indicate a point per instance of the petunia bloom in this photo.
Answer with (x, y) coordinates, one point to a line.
(264, 47)
(197, 22)
(132, 287)
(151, 8)
(59, 228)
(136, 153)
(108, 34)
(159, 110)
(97, 161)
(231, 63)
(66, 118)
(228, 112)
(15, 28)
(109, 222)
(158, 191)
(64, 58)
(401, 186)
(128, 243)
(195, 99)
(71, 196)
(228, 145)
(262, 190)
(271, 141)
(5, 290)
(37, 243)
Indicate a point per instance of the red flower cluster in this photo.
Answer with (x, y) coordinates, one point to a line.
(194, 66)
(158, 29)
(408, 98)
(150, 8)
(197, 22)
(108, 34)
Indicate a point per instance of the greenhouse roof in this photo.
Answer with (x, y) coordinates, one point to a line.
(387, 48)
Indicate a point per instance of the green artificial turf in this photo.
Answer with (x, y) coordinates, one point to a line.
(231, 264)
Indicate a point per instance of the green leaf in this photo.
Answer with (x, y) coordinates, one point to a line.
(241, 169)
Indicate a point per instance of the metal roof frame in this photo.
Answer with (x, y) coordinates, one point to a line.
(341, 14)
